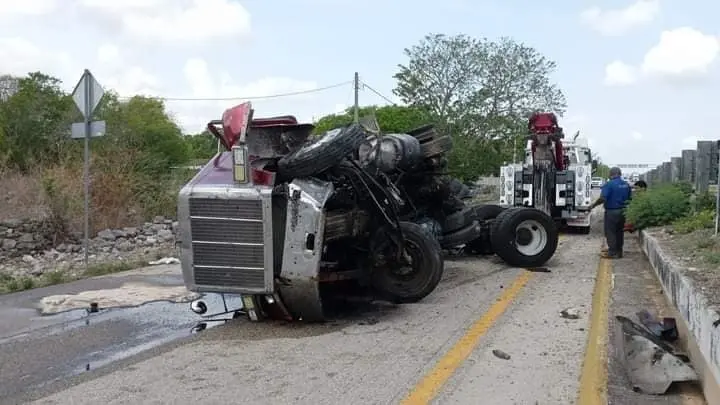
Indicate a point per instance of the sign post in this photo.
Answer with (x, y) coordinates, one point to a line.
(87, 96)
(717, 196)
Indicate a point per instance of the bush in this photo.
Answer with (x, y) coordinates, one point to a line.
(658, 206)
(691, 223)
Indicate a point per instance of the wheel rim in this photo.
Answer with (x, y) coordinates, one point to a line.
(531, 238)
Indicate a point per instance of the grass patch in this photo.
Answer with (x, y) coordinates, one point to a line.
(10, 284)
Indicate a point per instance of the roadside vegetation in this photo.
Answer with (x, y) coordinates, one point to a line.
(689, 217)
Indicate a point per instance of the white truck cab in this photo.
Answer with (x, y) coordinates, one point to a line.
(572, 187)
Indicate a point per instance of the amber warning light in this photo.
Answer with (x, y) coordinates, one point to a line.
(240, 172)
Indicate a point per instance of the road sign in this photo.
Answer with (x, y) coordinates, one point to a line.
(97, 129)
(87, 94)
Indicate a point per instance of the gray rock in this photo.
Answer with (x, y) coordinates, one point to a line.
(9, 244)
(107, 234)
(166, 235)
(26, 238)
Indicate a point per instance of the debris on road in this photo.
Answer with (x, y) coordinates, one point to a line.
(665, 329)
(651, 364)
(501, 354)
(570, 313)
(128, 295)
(165, 260)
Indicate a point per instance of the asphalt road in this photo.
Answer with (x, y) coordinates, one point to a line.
(488, 335)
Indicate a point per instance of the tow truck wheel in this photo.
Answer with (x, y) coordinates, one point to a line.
(417, 272)
(482, 245)
(524, 237)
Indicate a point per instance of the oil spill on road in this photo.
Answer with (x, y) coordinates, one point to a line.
(84, 341)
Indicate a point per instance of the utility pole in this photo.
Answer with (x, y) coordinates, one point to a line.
(356, 84)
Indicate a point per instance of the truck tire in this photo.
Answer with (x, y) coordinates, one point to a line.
(426, 269)
(438, 146)
(524, 237)
(323, 154)
(463, 236)
(482, 245)
(458, 189)
(424, 133)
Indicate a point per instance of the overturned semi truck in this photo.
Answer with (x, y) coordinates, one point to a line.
(294, 223)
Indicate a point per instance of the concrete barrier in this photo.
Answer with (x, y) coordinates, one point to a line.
(701, 319)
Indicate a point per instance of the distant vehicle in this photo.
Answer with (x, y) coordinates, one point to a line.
(597, 182)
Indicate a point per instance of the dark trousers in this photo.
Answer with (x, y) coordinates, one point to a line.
(615, 231)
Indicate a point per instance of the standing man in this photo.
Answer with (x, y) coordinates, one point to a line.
(614, 196)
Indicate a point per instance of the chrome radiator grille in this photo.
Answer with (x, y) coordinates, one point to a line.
(227, 242)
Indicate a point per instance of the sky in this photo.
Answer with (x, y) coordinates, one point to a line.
(640, 77)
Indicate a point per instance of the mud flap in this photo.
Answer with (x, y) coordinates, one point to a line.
(298, 283)
(649, 363)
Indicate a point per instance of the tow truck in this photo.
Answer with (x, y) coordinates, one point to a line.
(555, 176)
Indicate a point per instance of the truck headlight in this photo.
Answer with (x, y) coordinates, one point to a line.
(508, 185)
(580, 171)
(580, 186)
(509, 172)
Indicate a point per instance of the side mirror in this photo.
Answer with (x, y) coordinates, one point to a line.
(594, 165)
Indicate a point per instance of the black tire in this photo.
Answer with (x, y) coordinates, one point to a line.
(427, 266)
(482, 245)
(462, 237)
(458, 189)
(437, 146)
(504, 235)
(458, 220)
(323, 154)
(424, 133)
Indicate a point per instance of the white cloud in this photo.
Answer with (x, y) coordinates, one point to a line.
(19, 56)
(636, 135)
(176, 20)
(27, 7)
(617, 22)
(108, 54)
(205, 84)
(681, 52)
(618, 73)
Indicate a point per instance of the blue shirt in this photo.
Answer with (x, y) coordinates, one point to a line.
(616, 193)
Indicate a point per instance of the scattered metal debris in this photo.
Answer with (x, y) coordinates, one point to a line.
(165, 260)
(538, 269)
(501, 354)
(652, 365)
(570, 313)
(665, 329)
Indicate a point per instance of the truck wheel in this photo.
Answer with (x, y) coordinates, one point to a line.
(323, 154)
(438, 146)
(463, 236)
(482, 245)
(424, 133)
(416, 279)
(467, 215)
(524, 237)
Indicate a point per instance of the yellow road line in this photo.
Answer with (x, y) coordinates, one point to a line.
(428, 388)
(594, 375)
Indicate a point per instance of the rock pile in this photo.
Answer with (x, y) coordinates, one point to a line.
(28, 248)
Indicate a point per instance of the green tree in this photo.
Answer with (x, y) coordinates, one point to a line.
(202, 146)
(481, 91)
(35, 122)
(391, 118)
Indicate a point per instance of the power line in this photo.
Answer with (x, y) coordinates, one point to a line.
(377, 93)
(270, 96)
